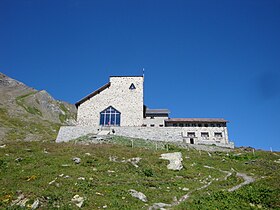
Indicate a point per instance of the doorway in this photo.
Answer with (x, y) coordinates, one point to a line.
(191, 141)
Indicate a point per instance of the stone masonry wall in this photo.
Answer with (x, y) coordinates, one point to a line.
(118, 95)
(168, 134)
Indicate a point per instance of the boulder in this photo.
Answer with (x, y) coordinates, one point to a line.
(138, 195)
(175, 160)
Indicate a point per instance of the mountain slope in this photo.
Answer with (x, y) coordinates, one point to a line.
(29, 114)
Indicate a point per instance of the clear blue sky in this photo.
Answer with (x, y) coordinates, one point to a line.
(202, 58)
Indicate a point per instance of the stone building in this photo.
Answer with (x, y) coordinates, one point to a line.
(119, 106)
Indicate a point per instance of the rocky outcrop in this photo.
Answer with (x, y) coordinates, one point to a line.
(175, 160)
(29, 114)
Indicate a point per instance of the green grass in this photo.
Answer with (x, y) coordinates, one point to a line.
(102, 187)
(31, 110)
(19, 128)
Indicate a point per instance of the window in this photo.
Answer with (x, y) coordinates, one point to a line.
(187, 125)
(193, 125)
(206, 125)
(132, 87)
(218, 135)
(110, 117)
(161, 125)
(204, 135)
(212, 125)
(199, 125)
(191, 134)
(152, 125)
(218, 125)
(174, 124)
(144, 125)
(181, 125)
(152, 117)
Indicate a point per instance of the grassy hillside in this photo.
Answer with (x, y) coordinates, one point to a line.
(46, 171)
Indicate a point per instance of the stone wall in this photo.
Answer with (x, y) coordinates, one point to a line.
(168, 134)
(118, 95)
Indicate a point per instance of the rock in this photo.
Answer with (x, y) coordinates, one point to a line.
(185, 189)
(175, 160)
(104, 207)
(78, 200)
(35, 204)
(19, 198)
(138, 195)
(3, 146)
(88, 154)
(19, 159)
(53, 181)
(134, 161)
(76, 160)
(81, 178)
(277, 161)
(159, 206)
(65, 165)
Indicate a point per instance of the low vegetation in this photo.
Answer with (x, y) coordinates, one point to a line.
(46, 171)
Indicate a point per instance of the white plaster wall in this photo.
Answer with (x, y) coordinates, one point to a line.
(128, 102)
(156, 121)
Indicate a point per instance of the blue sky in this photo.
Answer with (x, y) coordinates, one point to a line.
(202, 58)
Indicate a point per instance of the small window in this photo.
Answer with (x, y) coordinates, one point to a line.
(181, 125)
(212, 125)
(204, 134)
(191, 134)
(218, 135)
(144, 125)
(206, 125)
(175, 125)
(160, 125)
(193, 125)
(152, 117)
(152, 125)
(199, 125)
(132, 87)
(218, 125)
(187, 125)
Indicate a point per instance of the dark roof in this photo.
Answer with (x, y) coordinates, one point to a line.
(157, 111)
(178, 120)
(92, 94)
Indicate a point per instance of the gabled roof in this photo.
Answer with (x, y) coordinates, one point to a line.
(209, 120)
(92, 94)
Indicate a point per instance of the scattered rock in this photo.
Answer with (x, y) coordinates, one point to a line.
(3, 146)
(104, 207)
(53, 181)
(98, 193)
(19, 159)
(81, 178)
(159, 206)
(61, 175)
(45, 151)
(78, 200)
(88, 154)
(134, 161)
(65, 165)
(175, 160)
(277, 161)
(19, 198)
(185, 189)
(76, 160)
(35, 204)
(138, 195)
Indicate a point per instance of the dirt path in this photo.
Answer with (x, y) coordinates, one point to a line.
(247, 180)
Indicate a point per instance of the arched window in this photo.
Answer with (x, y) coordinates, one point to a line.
(110, 117)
